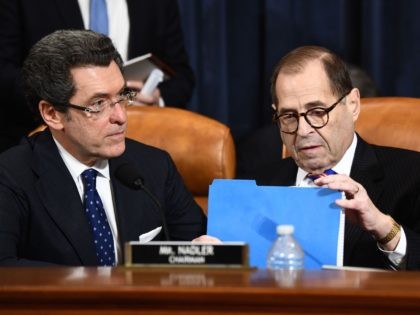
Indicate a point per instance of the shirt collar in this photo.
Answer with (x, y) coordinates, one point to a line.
(76, 168)
(342, 167)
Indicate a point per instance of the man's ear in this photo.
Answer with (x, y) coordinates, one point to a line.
(52, 118)
(354, 103)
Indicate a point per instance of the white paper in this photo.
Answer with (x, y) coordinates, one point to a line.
(147, 237)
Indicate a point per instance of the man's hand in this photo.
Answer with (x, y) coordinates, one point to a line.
(142, 99)
(359, 208)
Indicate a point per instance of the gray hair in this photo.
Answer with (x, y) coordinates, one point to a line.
(296, 60)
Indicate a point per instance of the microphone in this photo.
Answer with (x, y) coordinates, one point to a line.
(129, 176)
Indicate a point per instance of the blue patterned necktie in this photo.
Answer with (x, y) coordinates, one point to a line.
(101, 231)
(326, 173)
(98, 16)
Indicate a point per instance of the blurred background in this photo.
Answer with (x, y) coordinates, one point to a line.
(234, 45)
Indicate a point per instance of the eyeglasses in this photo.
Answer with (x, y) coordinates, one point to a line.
(316, 117)
(125, 98)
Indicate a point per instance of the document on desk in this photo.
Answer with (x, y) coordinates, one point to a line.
(239, 210)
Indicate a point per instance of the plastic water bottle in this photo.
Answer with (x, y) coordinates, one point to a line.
(286, 252)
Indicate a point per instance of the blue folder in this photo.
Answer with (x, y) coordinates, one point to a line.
(239, 210)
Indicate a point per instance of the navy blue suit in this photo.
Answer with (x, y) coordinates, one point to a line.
(41, 213)
(392, 179)
(154, 27)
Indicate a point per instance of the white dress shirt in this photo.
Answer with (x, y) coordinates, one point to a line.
(118, 23)
(103, 186)
(344, 167)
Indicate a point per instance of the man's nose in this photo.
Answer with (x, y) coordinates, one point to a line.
(303, 127)
(119, 114)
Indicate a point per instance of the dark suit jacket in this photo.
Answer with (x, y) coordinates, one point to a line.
(259, 153)
(154, 27)
(41, 214)
(392, 179)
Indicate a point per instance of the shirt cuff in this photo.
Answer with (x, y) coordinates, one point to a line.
(396, 257)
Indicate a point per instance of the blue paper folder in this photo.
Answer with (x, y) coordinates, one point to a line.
(239, 210)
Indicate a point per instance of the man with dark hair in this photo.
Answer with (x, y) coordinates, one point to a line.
(136, 27)
(316, 110)
(60, 202)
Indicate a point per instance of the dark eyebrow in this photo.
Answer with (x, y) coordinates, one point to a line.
(99, 95)
(306, 106)
(315, 104)
(106, 95)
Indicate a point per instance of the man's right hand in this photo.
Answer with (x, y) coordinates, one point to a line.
(142, 99)
(360, 209)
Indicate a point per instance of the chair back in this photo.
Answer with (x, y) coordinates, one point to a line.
(390, 121)
(202, 148)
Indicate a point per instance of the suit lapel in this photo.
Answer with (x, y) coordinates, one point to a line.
(367, 171)
(135, 211)
(61, 199)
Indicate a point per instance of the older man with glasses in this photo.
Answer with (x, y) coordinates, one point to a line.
(316, 108)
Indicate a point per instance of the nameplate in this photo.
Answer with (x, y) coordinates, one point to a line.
(186, 254)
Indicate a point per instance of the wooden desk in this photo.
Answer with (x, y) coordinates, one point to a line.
(199, 291)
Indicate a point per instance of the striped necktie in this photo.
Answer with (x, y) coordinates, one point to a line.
(326, 173)
(98, 16)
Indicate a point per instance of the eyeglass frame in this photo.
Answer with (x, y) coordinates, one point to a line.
(128, 94)
(276, 116)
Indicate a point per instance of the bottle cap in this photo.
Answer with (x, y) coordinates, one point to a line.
(285, 229)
